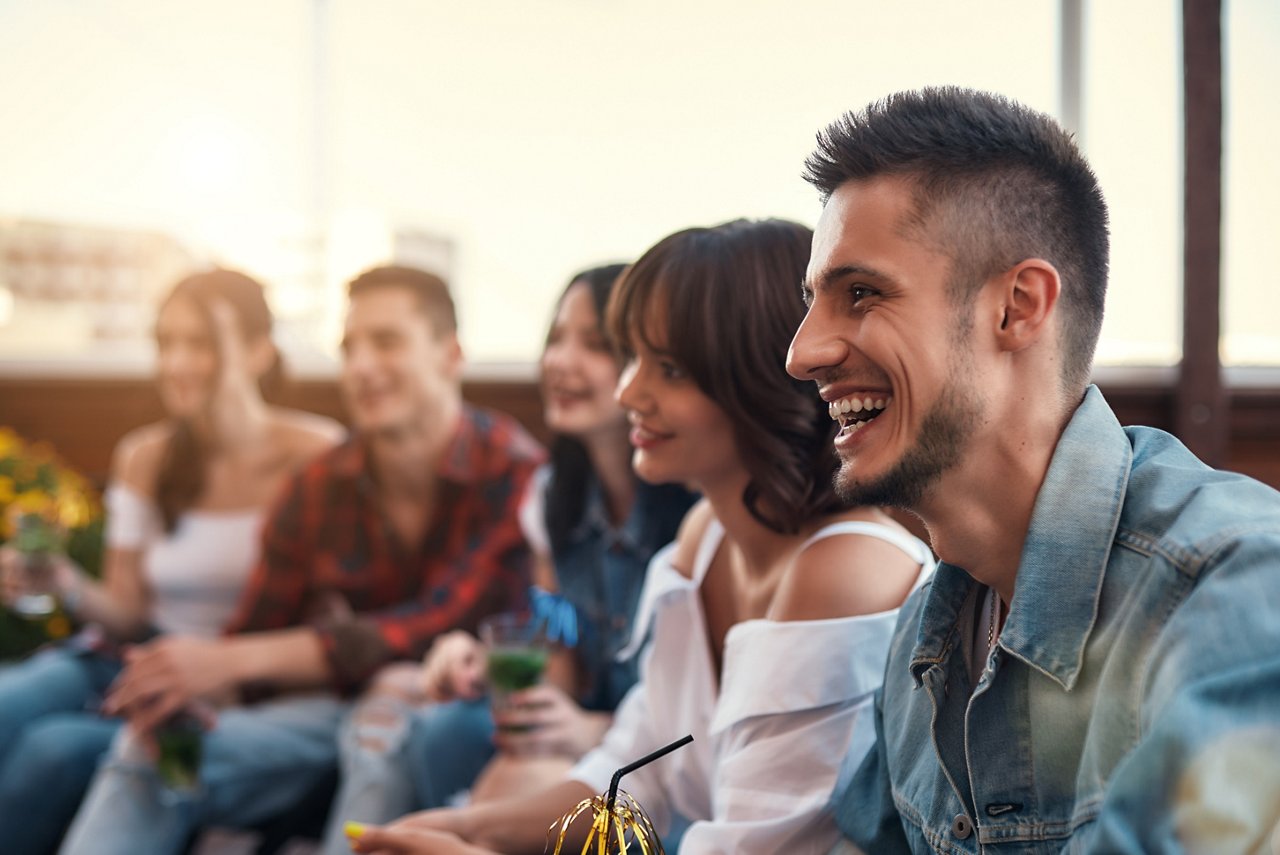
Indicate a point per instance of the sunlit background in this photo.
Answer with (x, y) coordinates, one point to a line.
(507, 143)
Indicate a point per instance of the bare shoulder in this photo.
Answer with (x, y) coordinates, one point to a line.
(692, 529)
(136, 460)
(301, 435)
(846, 574)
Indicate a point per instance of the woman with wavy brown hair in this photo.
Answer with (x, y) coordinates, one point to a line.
(185, 503)
(769, 619)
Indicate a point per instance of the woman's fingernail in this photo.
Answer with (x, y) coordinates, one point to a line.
(353, 830)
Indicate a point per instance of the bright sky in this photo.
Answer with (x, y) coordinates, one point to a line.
(543, 137)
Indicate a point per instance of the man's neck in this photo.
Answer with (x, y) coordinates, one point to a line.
(406, 462)
(979, 513)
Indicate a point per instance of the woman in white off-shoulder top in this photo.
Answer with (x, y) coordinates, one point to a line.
(186, 501)
(768, 620)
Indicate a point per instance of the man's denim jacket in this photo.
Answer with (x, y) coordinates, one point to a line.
(1132, 702)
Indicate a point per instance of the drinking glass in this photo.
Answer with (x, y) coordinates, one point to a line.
(39, 597)
(517, 650)
(181, 744)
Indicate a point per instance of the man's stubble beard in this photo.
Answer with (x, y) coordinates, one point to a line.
(944, 437)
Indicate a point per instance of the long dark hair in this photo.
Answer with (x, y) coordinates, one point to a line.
(731, 299)
(181, 478)
(571, 471)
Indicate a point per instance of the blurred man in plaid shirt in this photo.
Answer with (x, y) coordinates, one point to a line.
(407, 530)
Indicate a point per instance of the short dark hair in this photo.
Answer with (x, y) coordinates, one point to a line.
(730, 298)
(996, 182)
(428, 289)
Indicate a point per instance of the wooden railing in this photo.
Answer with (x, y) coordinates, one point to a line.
(84, 417)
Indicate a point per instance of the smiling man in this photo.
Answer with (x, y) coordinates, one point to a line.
(1096, 665)
(406, 531)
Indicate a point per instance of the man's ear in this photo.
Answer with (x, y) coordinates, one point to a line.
(1028, 300)
(453, 355)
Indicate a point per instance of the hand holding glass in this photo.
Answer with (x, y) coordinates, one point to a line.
(36, 542)
(517, 651)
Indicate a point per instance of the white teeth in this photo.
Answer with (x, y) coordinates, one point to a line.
(837, 409)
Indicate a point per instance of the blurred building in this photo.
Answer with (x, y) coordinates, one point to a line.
(65, 288)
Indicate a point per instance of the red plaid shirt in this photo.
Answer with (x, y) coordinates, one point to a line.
(328, 542)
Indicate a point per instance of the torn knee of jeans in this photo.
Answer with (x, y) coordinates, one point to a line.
(380, 726)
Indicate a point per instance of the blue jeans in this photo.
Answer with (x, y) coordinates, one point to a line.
(257, 762)
(51, 740)
(397, 759)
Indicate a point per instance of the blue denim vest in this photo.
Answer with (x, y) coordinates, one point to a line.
(1136, 679)
(601, 572)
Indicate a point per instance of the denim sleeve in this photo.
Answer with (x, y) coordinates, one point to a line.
(864, 810)
(1204, 775)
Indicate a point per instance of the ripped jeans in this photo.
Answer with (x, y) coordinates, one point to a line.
(397, 758)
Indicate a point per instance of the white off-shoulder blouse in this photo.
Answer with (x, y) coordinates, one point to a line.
(769, 736)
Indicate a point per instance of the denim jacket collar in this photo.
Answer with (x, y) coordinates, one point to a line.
(1064, 555)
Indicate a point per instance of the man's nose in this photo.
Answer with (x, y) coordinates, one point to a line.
(816, 346)
(356, 358)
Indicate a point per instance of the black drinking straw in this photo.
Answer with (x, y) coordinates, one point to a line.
(631, 767)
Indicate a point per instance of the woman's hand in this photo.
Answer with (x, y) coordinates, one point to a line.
(13, 576)
(433, 831)
(545, 720)
(15, 581)
(454, 668)
(234, 377)
(168, 675)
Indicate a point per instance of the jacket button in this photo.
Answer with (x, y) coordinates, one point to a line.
(961, 827)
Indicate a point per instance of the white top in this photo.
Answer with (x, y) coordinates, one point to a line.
(768, 746)
(195, 574)
(532, 514)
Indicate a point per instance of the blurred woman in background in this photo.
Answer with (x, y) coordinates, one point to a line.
(185, 503)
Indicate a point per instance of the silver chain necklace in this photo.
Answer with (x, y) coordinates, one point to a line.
(994, 619)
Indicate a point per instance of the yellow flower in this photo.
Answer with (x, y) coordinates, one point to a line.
(34, 481)
(9, 442)
(73, 511)
(32, 502)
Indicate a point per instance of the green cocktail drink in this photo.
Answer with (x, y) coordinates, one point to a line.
(514, 668)
(517, 656)
(181, 743)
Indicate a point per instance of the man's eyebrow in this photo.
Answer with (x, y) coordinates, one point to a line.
(832, 275)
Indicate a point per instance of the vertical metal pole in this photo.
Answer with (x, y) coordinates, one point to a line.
(1071, 67)
(1201, 409)
(318, 216)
